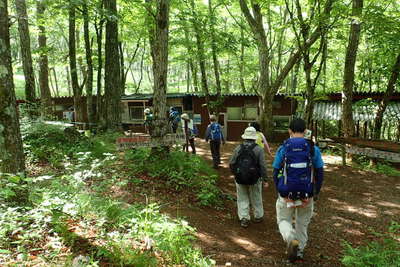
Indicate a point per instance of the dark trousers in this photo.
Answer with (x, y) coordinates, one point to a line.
(215, 146)
(191, 143)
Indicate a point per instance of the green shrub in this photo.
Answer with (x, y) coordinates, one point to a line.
(52, 144)
(180, 170)
(384, 253)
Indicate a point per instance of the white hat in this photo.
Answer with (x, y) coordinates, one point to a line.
(250, 133)
(147, 111)
(185, 116)
(307, 134)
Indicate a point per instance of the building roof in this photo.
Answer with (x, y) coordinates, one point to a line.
(333, 111)
(178, 95)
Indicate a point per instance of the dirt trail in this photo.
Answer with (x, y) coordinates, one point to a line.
(351, 202)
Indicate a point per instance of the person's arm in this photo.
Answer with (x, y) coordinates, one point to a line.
(277, 165)
(222, 135)
(261, 161)
(318, 171)
(233, 159)
(264, 140)
(207, 135)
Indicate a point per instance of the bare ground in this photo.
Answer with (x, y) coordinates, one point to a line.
(353, 202)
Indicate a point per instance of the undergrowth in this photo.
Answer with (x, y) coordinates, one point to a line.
(382, 253)
(178, 170)
(381, 167)
(68, 216)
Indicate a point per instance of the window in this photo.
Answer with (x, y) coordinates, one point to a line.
(250, 113)
(242, 113)
(234, 113)
(281, 123)
(136, 113)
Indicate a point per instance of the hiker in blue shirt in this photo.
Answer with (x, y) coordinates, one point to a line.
(215, 136)
(298, 177)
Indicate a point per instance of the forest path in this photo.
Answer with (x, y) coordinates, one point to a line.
(352, 201)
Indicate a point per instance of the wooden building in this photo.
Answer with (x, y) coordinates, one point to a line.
(237, 112)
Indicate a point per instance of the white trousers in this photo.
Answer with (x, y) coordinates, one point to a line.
(302, 217)
(249, 194)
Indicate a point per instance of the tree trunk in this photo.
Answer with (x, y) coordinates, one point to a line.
(348, 79)
(267, 88)
(122, 67)
(23, 28)
(193, 67)
(76, 89)
(56, 82)
(141, 70)
(214, 49)
(242, 62)
(89, 62)
(99, 38)
(12, 158)
(112, 79)
(45, 95)
(159, 31)
(384, 102)
(200, 55)
(68, 81)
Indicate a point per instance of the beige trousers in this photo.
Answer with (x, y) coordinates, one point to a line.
(249, 194)
(301, 216)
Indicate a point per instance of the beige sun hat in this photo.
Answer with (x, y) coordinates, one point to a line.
(250, 133)
(185, 116)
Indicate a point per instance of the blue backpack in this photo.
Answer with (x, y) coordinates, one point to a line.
(215, 131)
(174, 117)
(297, 180)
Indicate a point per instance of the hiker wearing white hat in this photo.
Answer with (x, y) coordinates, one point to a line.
(190, 131)
(249, 168)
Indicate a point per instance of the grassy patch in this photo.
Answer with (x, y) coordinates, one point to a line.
(383, 253)
(179, 171)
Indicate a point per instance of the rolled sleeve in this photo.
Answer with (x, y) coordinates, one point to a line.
(277, 164)
(317, 159)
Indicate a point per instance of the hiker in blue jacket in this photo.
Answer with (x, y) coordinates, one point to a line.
(298, 177)
(215, 136)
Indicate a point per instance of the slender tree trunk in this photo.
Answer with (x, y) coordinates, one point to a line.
(12, 159)
(348, 79)
(112, 79)
(384, 102)
(99, 38)
(122, 67)
(68, 81)
(89, 63)
(214, 49)
(56, 82)
(45, 94)
(76, 89)
(192, 66)
(200, 55)
(159, 31)
(242, 62)
(25, 42)
(141, 70)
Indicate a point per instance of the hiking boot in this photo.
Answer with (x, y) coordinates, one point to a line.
(292, 250)
(244, 223)
(258, 220)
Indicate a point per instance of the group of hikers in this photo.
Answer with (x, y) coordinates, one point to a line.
(297, 175)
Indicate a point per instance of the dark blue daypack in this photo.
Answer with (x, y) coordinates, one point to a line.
(215, 131)
(297, 180)
(174, 117)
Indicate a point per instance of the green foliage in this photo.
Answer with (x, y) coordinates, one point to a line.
(51, 144)
(65, 213)
(382, 167)
(383, 253)
(180, 170)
